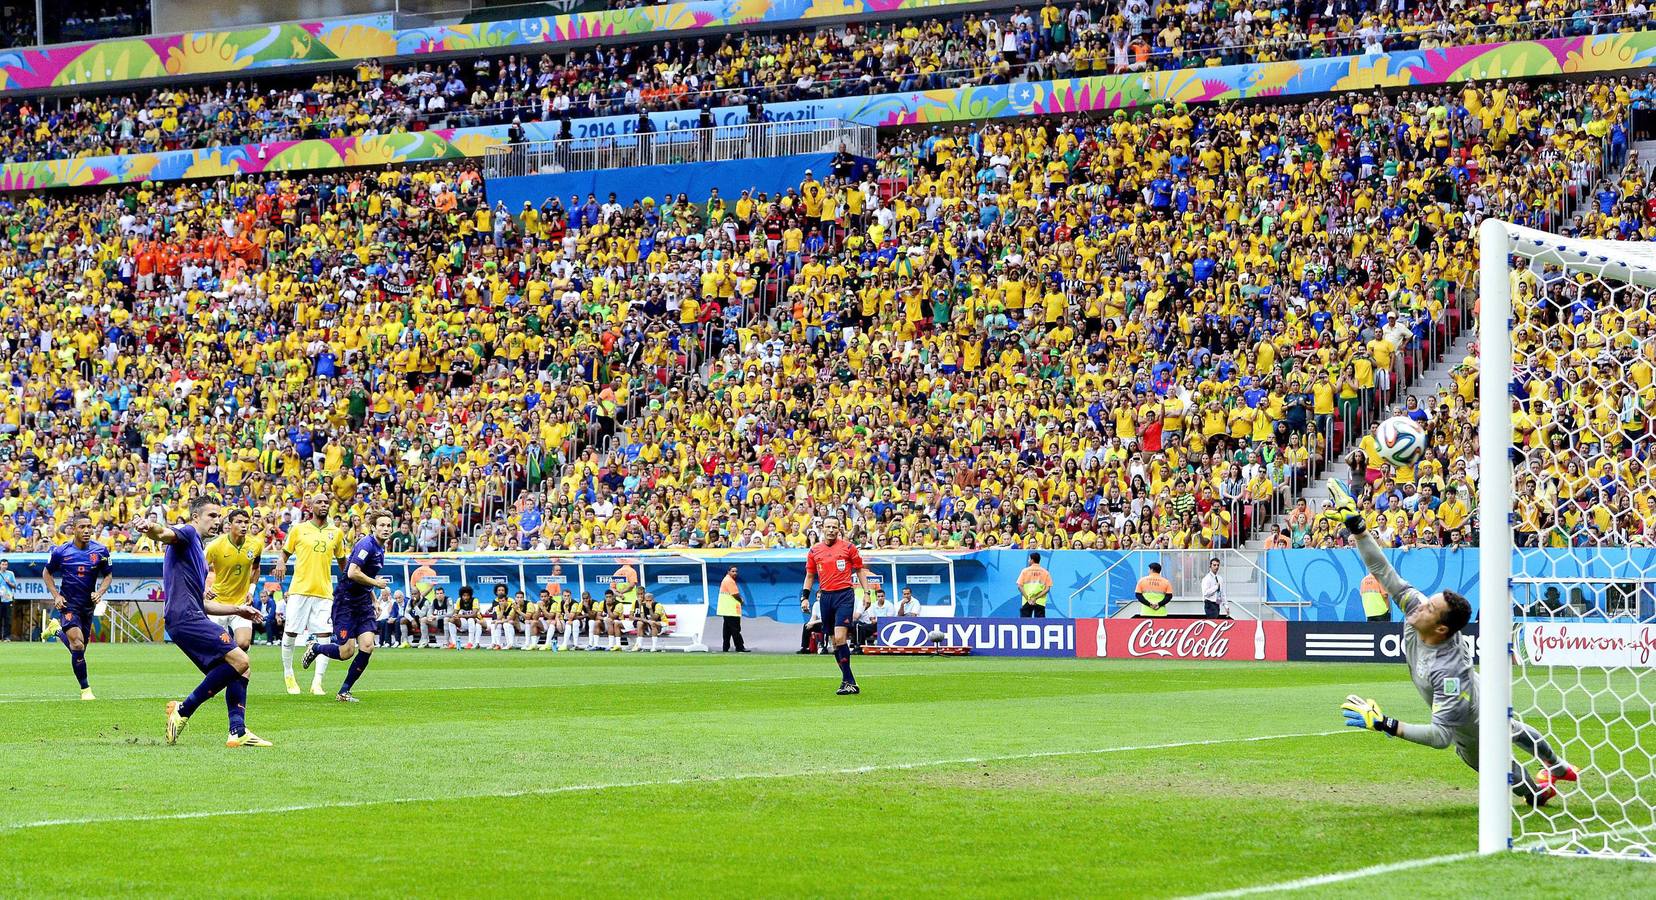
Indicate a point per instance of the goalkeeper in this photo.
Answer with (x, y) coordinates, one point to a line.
(1440, 664)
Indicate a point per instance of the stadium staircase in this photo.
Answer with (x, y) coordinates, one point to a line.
(1425, 387)
(1438, 376)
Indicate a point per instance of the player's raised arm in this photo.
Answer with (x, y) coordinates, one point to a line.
(1344, 508)
(157, 532)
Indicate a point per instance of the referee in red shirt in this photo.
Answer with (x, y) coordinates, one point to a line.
(836, 566)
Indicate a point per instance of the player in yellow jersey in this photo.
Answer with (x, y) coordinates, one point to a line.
(233, 567)
(315, 546)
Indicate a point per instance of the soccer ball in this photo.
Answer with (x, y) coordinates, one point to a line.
(1400, 440)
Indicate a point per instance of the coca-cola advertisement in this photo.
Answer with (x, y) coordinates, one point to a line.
(1170, 638)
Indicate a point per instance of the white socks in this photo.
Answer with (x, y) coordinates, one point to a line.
(287, 655)
(448, 632)
(653, 639)
(321, 662)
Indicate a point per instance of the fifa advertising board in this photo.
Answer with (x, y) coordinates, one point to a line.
(1171, 638)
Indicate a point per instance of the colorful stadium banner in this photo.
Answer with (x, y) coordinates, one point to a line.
(198, 53)
(376, 36)
(986, 637)
(1187, 639)
(1420, 68)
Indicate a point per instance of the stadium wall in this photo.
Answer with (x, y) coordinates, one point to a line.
(1307, 585)
(695, 179)
(1416, 68)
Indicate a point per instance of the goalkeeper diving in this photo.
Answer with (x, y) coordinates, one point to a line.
(1440, 664)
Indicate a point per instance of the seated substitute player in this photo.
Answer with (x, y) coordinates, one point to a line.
(354, 620)
(465, 619)
(233, 564)
(651, 617)
(1440, 664)
(838, 567)
(83, 564)
(185, 613)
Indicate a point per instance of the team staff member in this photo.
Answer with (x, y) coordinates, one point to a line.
(838, 567)
(233, 561)
(1376, 606)
(730, 610)
(1213, 591)
(1034, 587)
(316, 546)
(1153, 593)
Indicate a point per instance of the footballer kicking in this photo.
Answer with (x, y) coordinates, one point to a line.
(233, 564)
(1440, 664)
(354, 621)
(185, 612)
(837, 566)
(83, 564)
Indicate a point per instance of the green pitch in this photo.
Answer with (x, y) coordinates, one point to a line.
(608, 773)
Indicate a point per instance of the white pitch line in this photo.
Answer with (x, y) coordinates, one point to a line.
(663, 782)
(1337, 877)
(503, 687)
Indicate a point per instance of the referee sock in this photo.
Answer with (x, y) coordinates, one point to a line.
(218, 677)
(77, 661)
(842, 655)
(235, 697)
(358, 663)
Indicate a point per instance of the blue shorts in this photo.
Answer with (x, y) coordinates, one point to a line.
(81, 617)
(352, 620)
(202, 641)
(838, 608)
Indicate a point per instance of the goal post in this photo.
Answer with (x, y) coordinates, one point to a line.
(1494, 537)
(1567, 409)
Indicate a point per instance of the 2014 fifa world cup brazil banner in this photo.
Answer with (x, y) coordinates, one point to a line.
(1591, 53)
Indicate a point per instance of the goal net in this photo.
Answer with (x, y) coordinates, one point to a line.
(1567, 517)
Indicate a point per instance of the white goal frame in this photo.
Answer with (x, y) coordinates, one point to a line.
(1627, 262)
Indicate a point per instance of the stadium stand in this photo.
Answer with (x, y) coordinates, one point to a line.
(1145, 330)
(854, 59)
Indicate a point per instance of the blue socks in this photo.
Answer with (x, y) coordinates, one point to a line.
(331, 651)
(842, 655)
(218, 677)
(77, 661)
(358, 663)
(235, 697)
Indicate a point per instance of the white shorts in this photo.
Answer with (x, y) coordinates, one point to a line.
(307, 614)
(232, 624)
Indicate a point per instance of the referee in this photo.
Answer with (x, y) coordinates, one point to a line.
(836, 566)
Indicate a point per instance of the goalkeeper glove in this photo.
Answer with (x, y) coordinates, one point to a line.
(1343, 509)
(1361, 713)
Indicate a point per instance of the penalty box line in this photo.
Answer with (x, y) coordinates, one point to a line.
(662, 782)
(1337, 877)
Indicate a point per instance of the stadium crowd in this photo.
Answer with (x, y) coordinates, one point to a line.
(753, 69)
(1136, 331)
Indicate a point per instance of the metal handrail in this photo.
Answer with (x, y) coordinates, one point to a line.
(722, 143)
